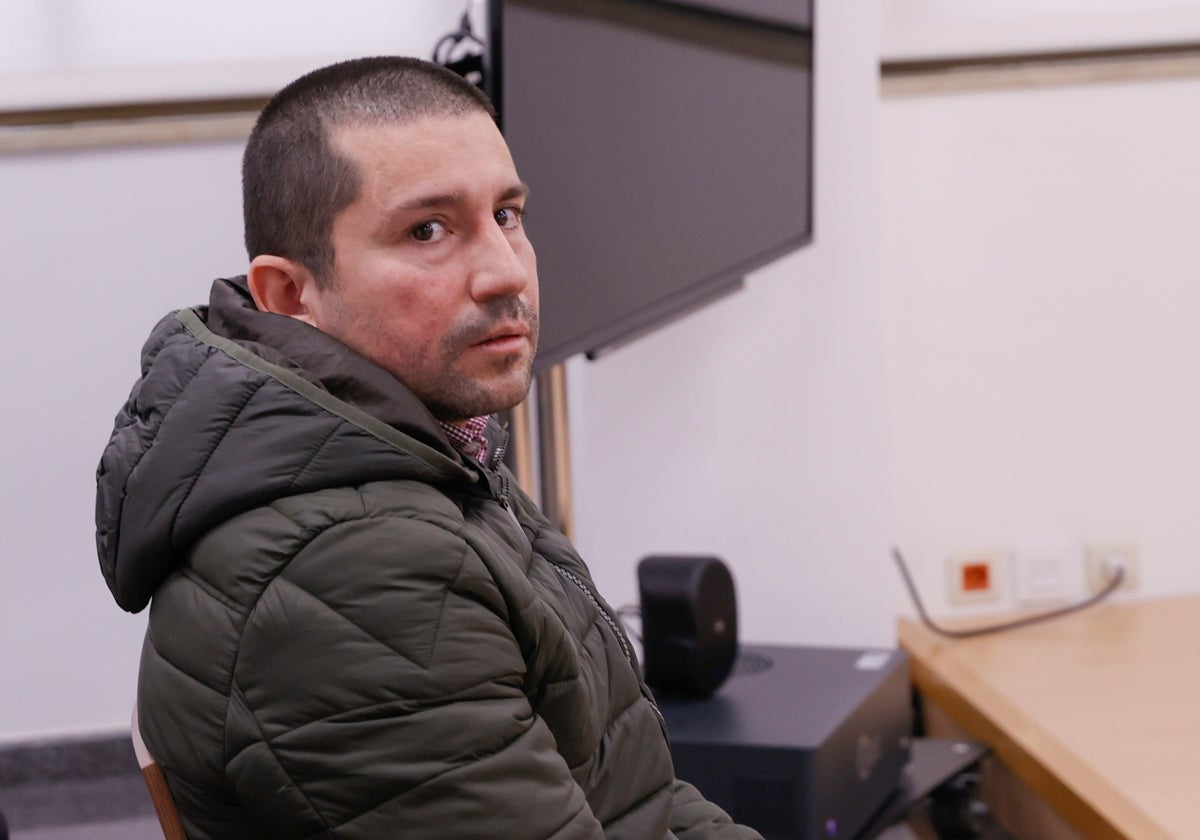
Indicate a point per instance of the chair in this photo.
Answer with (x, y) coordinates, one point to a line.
(156, 782)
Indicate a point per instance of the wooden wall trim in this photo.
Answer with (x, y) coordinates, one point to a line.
(955, 75)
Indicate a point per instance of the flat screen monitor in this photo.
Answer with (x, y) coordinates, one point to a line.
(668, 148)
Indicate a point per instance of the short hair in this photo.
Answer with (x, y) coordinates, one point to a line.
(294, 182)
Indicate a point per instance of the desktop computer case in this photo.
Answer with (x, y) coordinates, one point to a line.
(801, 743)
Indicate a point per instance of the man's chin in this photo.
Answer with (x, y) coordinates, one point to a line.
(462, 398)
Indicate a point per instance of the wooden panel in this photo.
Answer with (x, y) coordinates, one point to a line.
(1013, 803)
(164, 803)
(1095, 712)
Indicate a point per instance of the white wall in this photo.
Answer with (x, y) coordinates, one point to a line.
(1040, 260)
(928, 29)
(755, 429)
(98, 245)
(85, 281)
(56, 54)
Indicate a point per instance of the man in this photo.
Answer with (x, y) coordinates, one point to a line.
(360, 627)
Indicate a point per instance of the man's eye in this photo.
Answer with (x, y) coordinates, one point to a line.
(428, 231)
(508, 217)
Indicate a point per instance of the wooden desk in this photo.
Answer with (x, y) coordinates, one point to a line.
(1097, 713)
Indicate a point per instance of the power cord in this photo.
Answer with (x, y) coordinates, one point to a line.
(463, 51)
(627, 612)
(1118, 575)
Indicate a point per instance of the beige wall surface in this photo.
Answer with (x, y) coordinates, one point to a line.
(1040, 264)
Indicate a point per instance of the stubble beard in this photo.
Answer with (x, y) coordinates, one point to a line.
(459, 395)
(464, 397)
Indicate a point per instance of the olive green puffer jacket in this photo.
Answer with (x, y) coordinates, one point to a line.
(354, 633)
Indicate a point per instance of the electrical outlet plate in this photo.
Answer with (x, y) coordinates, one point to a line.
(1101, 558)
(1047, 572)
(974, 577)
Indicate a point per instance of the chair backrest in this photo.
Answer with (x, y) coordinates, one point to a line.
(156, 782)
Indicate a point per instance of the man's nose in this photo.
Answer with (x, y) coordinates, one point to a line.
(498, 270)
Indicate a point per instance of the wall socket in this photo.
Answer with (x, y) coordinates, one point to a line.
(1040, 572)
(975, 577)
(1102, 558)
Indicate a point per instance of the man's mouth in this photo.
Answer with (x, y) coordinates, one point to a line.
(506, 337)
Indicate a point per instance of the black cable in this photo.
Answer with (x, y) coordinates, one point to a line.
(625, 613)
(463, 52)
(465, 34)
(1109, 588)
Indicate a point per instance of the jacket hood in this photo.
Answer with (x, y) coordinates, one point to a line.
(236, 408)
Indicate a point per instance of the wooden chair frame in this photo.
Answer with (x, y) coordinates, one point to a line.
(156, 782)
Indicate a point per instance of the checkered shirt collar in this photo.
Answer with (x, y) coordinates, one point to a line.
(468, 438)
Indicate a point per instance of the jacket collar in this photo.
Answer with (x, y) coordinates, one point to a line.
(322, 360)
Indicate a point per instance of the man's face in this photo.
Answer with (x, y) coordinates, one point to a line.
(434, 279)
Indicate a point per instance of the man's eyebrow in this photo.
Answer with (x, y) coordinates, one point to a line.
(519, 190)
(425, 202)
(447, 199)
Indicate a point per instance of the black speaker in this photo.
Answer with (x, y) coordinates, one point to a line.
(689, 623)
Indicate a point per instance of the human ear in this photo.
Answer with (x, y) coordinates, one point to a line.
(282, 286)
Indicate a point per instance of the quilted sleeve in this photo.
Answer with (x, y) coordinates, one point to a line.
(695, 818)
(379, 692)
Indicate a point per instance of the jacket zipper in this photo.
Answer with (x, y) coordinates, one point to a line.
(620, 634)
(501, 448)
(503, 492)
(502, 496)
